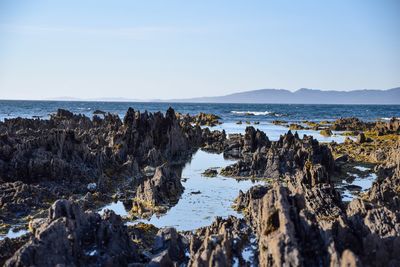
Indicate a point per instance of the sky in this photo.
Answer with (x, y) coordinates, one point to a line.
(182, 49)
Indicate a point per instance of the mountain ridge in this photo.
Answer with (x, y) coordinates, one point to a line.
(304, 96)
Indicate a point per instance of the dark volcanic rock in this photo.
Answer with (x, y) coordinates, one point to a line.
(306, 224)
(210, 172)
(9, 246)
(164, 188)
(262, 158)
(19, 199)
(71, 147)
(213, 141)
(169, 248)
(71, 237)
(221, 244)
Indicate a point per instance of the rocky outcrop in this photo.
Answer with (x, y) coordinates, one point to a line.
(71, 147)
(160, 191)
(9, 246)
(350, 124)
(262, 158)
(386, 190)
(169, 248)
(390, 127)
(71, 237)
(44, 160)
(19, 199)
(201, 119)
(213, 141)
(306, 224)
(222, 244)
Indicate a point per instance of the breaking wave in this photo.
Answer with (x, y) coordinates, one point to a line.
(256, 113)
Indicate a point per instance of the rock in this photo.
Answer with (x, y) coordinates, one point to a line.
(169, 248)
(73, 148)
(350, 124)
(9, 246)
(163, 189)
(325, 132)
(306, 224)
(99, 112)
(279, 122)
(19, 199)
(210, 172)
(213, 141)
(71, 154)
(201, 119)
(361, 138)
(262, 158)
(294, 126)
(72, 237)
(239, 122)
(221, 244)
(342, 158)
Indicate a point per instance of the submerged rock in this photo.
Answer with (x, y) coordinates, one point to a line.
(210, 172)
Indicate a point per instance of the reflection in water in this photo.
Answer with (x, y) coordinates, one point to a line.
(204, 198)
(360, 183)
(117, 207)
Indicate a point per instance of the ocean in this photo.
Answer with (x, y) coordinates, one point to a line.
(228, 112)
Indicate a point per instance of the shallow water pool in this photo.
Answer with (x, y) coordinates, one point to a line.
(203, 199)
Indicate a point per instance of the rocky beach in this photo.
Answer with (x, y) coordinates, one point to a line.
(286, 199)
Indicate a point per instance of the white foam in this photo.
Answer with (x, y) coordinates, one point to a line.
(255, 113)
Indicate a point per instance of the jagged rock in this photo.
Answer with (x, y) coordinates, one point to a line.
(326, 132)
(99, 112)
(20, 199)
(295, 126)
(9, 246)
(201, 119)
(163, 189)
(361, 138)
(169, 248)
(213, 141)
(72, 237)
(350, 124)
(221, 244)
(390, 127)
(306, 224)
(210, 172)
(274, 159)
(72, 147)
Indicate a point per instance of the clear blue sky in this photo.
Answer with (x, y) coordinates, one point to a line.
(176, 49)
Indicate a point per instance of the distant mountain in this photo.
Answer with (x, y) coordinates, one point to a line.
(304, 96)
